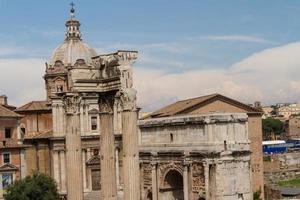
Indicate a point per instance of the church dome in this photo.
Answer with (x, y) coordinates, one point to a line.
(73, 48)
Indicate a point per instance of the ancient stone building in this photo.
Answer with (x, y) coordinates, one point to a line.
(92, 96)
(218, 103)
(201, 156)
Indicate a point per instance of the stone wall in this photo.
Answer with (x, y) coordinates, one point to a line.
(210, 152)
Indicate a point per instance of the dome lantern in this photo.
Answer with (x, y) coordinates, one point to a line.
(73, 48)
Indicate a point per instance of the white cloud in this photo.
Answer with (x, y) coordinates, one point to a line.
(21, 80)
(270, 76)
(234, 38)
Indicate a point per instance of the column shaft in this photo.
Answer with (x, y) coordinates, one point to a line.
(206, 176)
(74, 158)
(130, 156)
(154, 182)
(56, 168)
(185, 182)
(117, 168)
(63, 171)
(107, 149)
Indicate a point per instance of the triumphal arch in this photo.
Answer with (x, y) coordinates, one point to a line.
(88, 93)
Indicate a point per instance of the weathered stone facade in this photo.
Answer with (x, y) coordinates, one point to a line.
(95, 143)
(219, 103)
(195, 157)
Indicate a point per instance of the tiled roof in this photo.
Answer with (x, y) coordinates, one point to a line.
(180, 107)
(35, 106)
(40, 135)
(5, 112)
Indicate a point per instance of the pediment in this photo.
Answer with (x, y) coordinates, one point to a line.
(94, 160)
(8, 167)
(59, 78)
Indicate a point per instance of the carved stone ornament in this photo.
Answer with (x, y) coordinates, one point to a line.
(106, 105)
(72, 104)
(127, 98)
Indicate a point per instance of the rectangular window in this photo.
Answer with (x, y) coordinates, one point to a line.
(7, 180)
(94, 123)
(6, 158)
(7, 132)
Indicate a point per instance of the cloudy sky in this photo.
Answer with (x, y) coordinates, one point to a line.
(248, 50)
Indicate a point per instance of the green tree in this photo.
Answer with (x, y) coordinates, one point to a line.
(36, 187)
(271, 125)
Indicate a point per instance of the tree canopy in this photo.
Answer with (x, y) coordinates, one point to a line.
(271, 125)
(36, 187)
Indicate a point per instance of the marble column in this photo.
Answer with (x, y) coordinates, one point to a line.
(206, 177)
(107, 152)
(84, 170)
(55, 159)
(130, 155)
(117, 169)
(89, 173)
(74, 157)
(185, 182)
(154, 181)
(63, 171)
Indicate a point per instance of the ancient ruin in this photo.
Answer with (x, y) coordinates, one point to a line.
(87, 89)
(88, 137)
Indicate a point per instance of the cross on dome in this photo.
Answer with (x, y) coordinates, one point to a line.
(73, 31)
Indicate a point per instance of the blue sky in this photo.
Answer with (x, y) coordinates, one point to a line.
(39, 26)
(173, 37)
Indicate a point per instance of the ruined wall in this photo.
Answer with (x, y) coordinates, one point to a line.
(294, 127)
(255, 136)
(230, 180)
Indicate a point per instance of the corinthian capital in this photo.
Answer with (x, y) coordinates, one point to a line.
(72, 104)
(106, 104)
(127, 97)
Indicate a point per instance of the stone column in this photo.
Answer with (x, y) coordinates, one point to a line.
(23, 164)
(117, 169)
(154, 181)
(56, 167)
(73, 150)
(89, 173)
(185, 182)
(84, 170)
(206, 178)
(63, 171)
(130, 145)
(107, 151)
